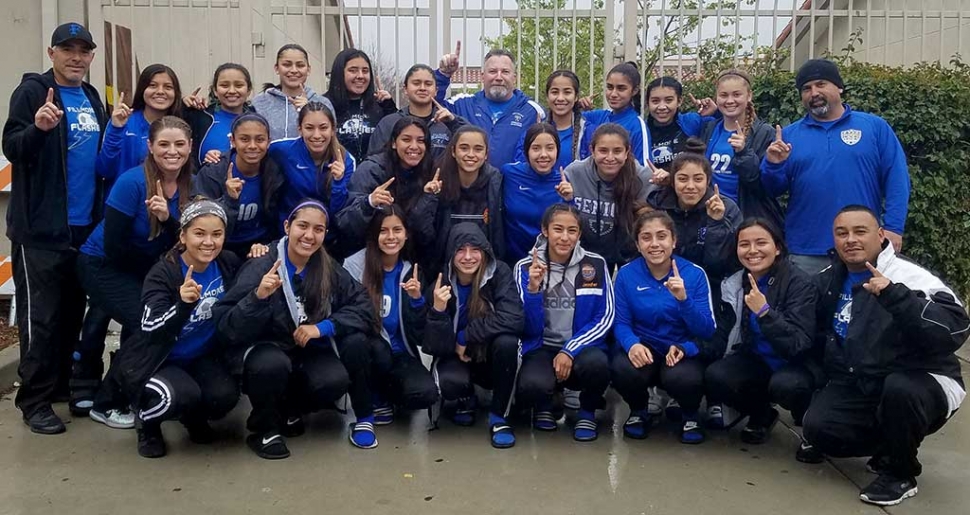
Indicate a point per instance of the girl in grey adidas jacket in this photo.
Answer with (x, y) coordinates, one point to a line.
(606, 189)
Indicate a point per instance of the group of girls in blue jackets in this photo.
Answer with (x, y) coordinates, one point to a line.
(331, 251)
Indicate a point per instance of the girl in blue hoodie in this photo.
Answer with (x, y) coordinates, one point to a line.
(529, 188)
(623, 96)
(568, 301)
(663, 309)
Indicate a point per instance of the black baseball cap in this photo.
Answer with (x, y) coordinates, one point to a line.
(69, 31)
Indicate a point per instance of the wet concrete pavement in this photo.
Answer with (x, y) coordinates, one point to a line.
(93, 470)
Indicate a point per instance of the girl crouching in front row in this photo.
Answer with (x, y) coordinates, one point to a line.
(302, 332)
(568, 298)
(394, 288)
(473, 330)
(173, 369)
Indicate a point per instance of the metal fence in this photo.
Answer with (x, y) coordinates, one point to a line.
(678, 37)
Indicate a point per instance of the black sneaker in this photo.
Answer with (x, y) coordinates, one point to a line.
(200, 432)
(293, 427)
(44, 421)
(270, 446)
(151, 444)
(757, 431)
(807, 453)
(888, 490)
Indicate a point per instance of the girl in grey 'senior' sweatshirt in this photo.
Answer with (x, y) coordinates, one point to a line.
(280, 103)
(606, 188)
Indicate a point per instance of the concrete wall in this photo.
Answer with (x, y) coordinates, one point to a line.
(895, 42)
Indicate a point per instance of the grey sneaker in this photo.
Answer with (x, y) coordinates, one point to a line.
(113, 418)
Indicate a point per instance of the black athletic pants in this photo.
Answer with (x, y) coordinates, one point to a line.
(401, 378)
(590, 376)
(745, 382)
(457, 379)
(50, 308)
(287, 383)
(199, 390)
(684, 381)
(888, 419)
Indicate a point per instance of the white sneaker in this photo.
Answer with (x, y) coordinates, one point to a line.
(115, 419)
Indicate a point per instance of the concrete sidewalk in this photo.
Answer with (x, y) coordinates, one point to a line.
(93, 469)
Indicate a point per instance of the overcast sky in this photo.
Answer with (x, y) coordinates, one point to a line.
(407, 46)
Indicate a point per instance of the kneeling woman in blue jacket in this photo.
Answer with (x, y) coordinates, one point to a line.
(394, 288)
(766, 323)
(568, 300)
(301, 330)
(173, 369)
(473, 330)
(663, 307)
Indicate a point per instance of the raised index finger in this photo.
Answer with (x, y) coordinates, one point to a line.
(197, 90)
(778, 133)
(415, 276)
(188, 274)
(458, 48)
(160, 192)
(673, 266)
(387, 184)
(437, 174)
(275, 267)
(875, 271)
(50, 95)
(437, 284)
(717, 191)
(439, 106)
(754, 283)
(229, 173)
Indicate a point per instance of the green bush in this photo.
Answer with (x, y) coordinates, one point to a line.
(929, 108)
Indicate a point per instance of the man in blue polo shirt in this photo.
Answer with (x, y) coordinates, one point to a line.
(503, 111)
(831, 158)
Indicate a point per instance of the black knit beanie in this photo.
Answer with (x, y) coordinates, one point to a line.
(818, 69)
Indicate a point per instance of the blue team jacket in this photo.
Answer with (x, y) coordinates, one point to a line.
(856, 159)
(647, 313)
(293, 158)
(503, 135)
(123, 148)
(629, 119)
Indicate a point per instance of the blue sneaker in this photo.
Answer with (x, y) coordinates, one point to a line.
(638, 425)
(692, 432)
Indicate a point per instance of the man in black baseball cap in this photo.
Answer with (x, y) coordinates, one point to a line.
(52, 138)
(72, 31)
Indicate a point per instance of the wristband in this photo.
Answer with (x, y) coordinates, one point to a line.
(764, 309)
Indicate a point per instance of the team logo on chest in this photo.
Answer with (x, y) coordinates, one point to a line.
(851, 136)
(517, 119)
(588, 271)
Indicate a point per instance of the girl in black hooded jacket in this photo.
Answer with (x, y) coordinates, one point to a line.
(766, 327)
(473, 330)
(301, 331)
(174, 367)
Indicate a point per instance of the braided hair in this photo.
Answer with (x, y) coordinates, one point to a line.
(749, 112)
